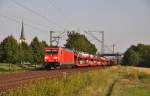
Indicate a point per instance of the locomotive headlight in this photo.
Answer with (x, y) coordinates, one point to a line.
(46, 57)
(55, 57)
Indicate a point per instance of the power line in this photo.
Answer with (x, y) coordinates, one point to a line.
(62, 33)
(111, 47)
(61, 12)
(101, 41)
(14, 20)
(63, 15)
(93, 36)
(38, 14)
(29, 20)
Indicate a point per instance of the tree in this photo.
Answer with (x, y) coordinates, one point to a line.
(44, 44)
(144, 51)
(131, 58)
(79, 42)
(13, 52)
(35, 46)
(9, 50)
(25, 53)
(38, 50)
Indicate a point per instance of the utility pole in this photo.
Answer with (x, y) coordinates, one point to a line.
(102, 47)
(51, 38)
(113, 48)
(101, 40)
(54, 38)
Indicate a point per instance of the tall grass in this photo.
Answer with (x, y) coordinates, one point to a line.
(108, 82)
(132, 83)
(4, 67)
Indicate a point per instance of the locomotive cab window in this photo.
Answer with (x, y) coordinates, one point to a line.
(52, 52)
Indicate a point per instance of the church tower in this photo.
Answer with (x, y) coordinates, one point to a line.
(22, 36)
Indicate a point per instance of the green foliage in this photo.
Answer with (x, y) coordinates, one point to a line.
(9, 50)
(25, 52)
(79, 42)
(44, 44)
(131, 58)
(17, 53)
(5, 67)
(137, 56)
(37, 50)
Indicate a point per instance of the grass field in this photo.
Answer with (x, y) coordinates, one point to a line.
(116, 81)
(13, 68)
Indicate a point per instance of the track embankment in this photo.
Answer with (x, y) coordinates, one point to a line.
(10, 81)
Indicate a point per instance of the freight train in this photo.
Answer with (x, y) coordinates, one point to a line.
(57, 57)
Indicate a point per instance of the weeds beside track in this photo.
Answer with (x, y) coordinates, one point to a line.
(10, 81)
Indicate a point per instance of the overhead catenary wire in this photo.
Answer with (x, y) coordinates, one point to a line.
(46, 18)
(14, 20)
(110, 47)
(93, 36)
(67, 19)
(33, 22)
(36, 13)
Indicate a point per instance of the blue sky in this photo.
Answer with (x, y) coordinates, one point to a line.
(125, 22)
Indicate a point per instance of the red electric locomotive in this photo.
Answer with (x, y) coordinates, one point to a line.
(57, 56)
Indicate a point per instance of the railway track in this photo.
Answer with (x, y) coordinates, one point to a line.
(13, 80)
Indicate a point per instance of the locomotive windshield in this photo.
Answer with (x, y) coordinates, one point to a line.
(51, 51)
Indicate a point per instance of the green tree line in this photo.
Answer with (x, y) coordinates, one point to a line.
(137, 56)
(17, 53)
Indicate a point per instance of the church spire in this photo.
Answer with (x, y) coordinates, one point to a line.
(22, 36)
